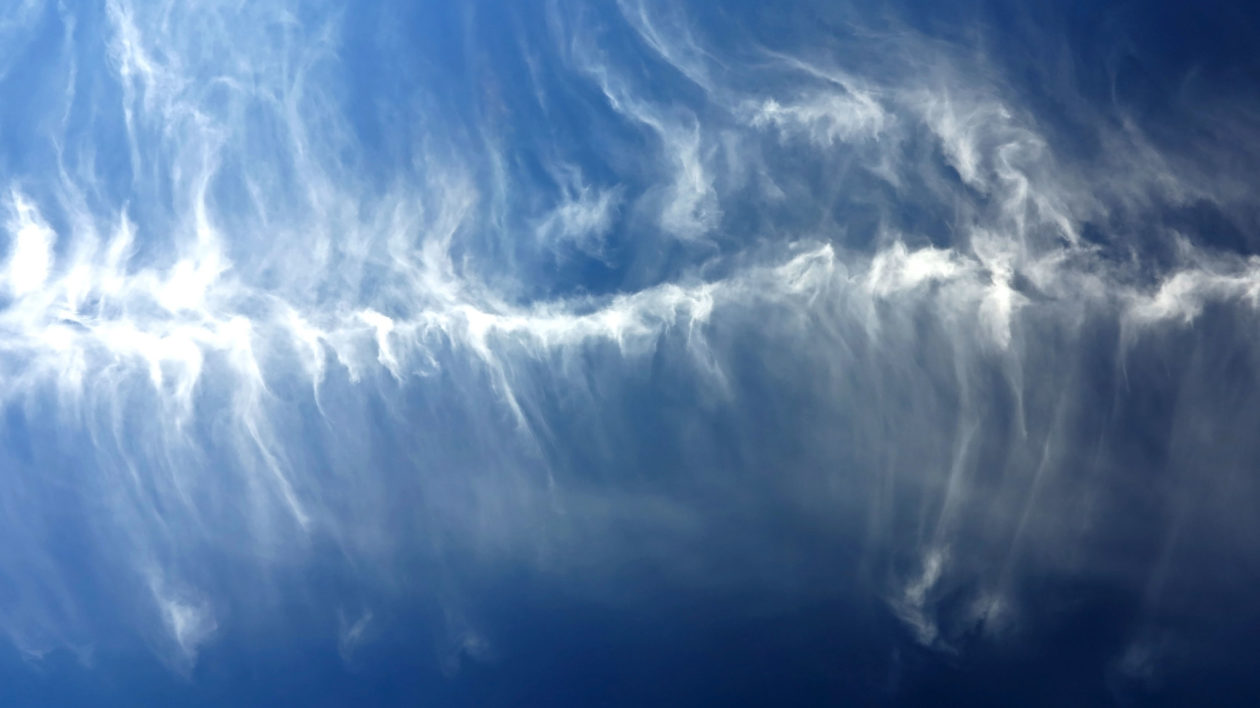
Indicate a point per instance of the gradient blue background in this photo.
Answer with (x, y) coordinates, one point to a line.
(726, 443)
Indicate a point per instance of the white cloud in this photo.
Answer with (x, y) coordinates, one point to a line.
(230, 332)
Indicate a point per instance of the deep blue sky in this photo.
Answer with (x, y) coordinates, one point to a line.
(629, 353)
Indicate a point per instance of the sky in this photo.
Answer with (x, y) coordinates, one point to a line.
(629, 353)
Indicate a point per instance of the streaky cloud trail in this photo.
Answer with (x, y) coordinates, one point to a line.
(427, 317)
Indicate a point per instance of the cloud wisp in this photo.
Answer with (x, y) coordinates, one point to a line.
(275, 291)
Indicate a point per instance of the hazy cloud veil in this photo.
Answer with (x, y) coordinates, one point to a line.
(634, 353)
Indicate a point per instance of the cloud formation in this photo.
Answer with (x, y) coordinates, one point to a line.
(280, 291)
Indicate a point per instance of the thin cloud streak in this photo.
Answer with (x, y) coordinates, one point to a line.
(247, 278)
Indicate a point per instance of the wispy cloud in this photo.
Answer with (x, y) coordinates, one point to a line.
(263, 343)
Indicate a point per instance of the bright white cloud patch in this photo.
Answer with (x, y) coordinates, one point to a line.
(30, 253)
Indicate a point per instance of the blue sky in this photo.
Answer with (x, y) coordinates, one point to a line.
(628, 353)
